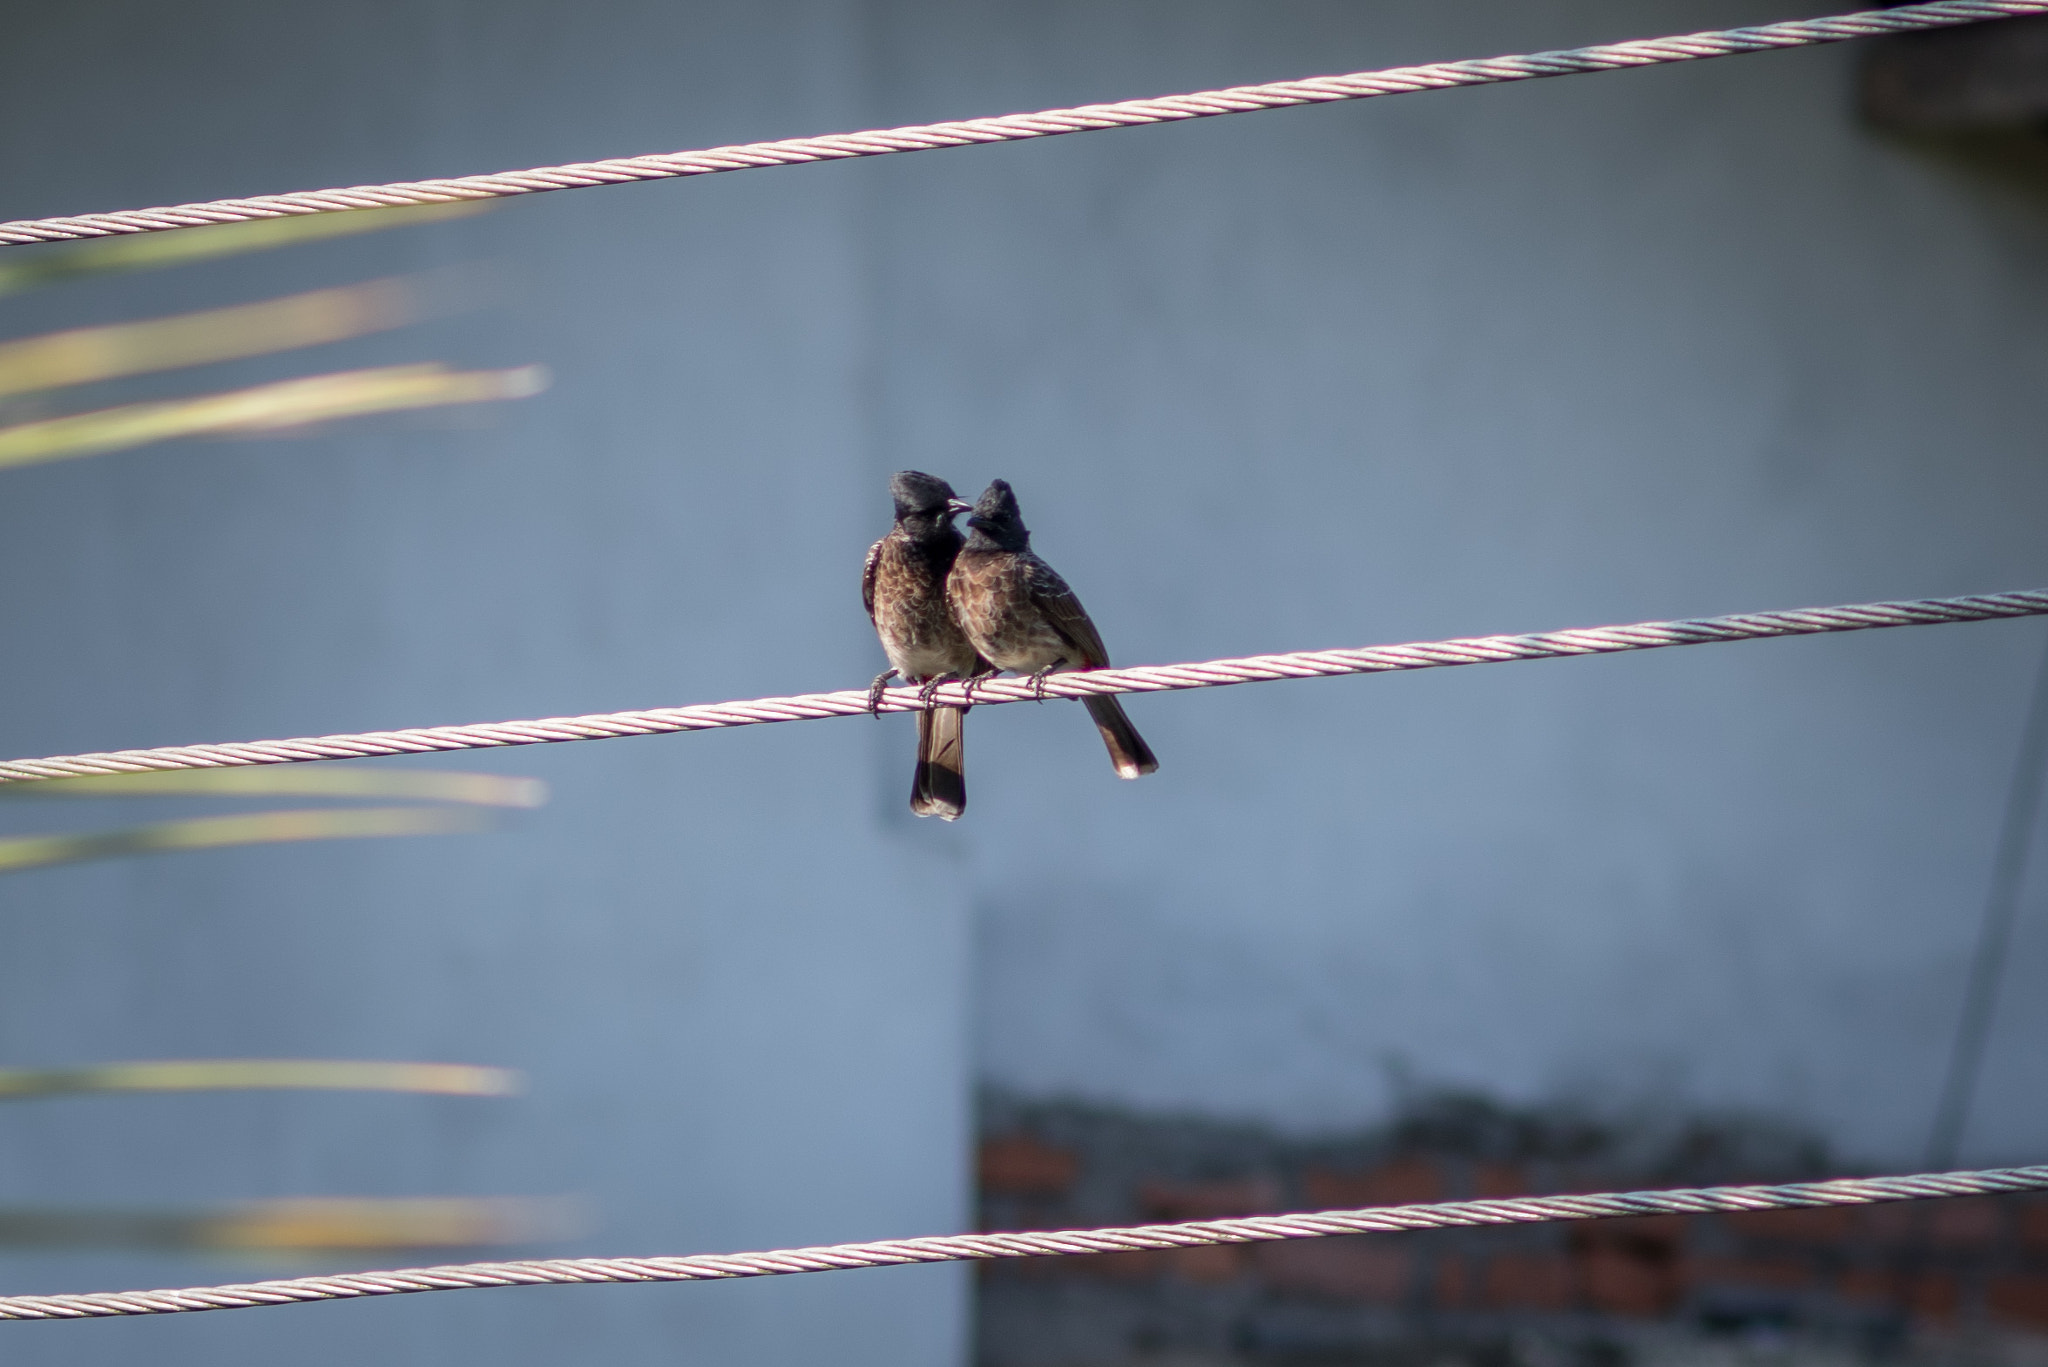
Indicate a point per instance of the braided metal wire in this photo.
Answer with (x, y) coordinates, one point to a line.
(1046, 123)
(969, 1247)
(1307, 664)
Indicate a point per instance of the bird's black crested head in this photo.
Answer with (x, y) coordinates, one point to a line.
(917, 492)
(996, 522)
(925, 504)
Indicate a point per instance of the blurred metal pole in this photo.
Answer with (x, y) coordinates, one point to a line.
(1994, 936)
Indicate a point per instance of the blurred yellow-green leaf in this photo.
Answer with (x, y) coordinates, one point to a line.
(260, 1074)
(84, 355)
(265, 408)
(299, 780)
(301, 1224)
(214, 832)
(26, 268)
(425, 1222)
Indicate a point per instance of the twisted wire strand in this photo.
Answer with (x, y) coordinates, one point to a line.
(968, 1247)
(1308, 664)
(1045, 123)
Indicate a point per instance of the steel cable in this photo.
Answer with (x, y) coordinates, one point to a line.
(1046, 123)
(968, 1247)
(1308, 664)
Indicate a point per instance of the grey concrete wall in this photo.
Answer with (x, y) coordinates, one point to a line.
(1647, 345)
(1639, 345)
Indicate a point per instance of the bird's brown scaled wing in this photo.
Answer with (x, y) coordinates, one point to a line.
(1064, 614)
(867, 578)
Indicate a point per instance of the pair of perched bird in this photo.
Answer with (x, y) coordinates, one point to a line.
(949, 607)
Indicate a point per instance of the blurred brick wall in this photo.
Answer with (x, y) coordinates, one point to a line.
(1872, 1278)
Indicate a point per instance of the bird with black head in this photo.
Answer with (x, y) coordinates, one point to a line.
(904, 586)
(1018, 614)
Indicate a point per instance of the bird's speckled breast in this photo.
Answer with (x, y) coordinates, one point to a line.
(916, 627)
(992, 597)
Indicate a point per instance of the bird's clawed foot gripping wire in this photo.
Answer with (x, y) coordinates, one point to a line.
(875, 691)
(929, 693)
(1038, 679)
(1308, 664)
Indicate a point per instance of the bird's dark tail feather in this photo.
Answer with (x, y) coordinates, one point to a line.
(940, 786)
(1127, 749)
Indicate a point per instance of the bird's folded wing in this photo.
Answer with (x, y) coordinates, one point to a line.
(867, 578)
(1064, 614)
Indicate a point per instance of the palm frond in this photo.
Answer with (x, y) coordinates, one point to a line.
(150, 251)
(260, 1074)
(85, 355)
(215, 832)
(326, 780)
(300, 1224)
(265, 408)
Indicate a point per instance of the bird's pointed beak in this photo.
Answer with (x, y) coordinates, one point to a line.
(957, 506)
